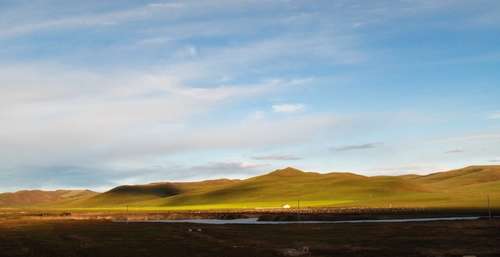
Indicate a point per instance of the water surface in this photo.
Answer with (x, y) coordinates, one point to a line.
(255, 221)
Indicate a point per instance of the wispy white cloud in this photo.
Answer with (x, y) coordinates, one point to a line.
(82, 117)
(420, 169)
(381, 11)
(356, 147)
(89, 113)
(468, 138)
(264, 133)
(297, 18)
(276, 157)
(188, 51)
(228, 166)
(169, 5)
(221, 92)
(494, 160)
(288, 108)
(257, 116)
(487, 18)
(494, 115)
(64, 22)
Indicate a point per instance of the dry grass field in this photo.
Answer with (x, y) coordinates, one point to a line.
(66, 237)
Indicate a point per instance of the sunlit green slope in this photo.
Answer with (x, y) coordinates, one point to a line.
(290, 185)
(128, 194)
(457, 188)
(279, 187)
(469, 186)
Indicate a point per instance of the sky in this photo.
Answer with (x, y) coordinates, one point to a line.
(96, 94)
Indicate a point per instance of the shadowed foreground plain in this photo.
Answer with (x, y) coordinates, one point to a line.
(38, 237)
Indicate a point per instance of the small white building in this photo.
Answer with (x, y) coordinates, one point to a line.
(285, 206)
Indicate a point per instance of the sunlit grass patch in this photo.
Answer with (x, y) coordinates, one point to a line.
(225, 206)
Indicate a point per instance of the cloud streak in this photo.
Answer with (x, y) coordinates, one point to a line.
(468, 138)
(276, 157)
(288, 108)
(495, 115)
(230, 166)
(356, 147)
(456, 150)
(135, 121)
(421, 169)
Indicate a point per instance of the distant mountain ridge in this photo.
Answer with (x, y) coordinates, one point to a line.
(463, 187)
(32, 197)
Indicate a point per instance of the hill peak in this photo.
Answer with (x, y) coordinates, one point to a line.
(287, 172)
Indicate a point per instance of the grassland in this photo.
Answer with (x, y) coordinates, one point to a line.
(32, 237)
(463, 188)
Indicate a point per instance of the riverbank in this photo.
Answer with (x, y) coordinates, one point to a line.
(311, 214)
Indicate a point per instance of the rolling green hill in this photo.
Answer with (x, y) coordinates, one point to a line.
(465, 187)
(289, 185)
(31, 197)
(468, 186)
(132, 194)
(471, 175)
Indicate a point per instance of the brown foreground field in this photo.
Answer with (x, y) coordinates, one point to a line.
(30, 236)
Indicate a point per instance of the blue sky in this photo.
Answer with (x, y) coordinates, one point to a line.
(95, 94)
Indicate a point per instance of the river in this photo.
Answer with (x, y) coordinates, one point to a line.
(255, 221)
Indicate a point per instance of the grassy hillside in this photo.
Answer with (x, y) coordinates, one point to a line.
(132, 194)
(286, 186)
(74, 193)
(471, 175)
(467, 187)
(31, 197)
